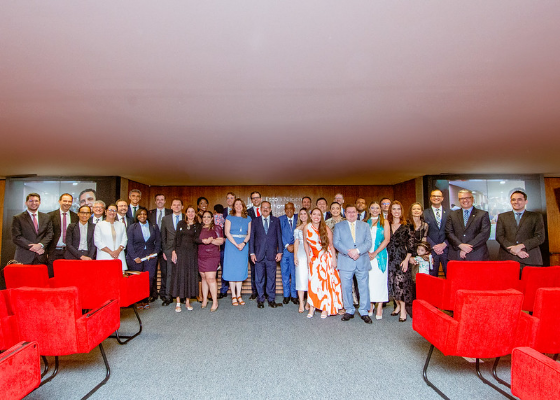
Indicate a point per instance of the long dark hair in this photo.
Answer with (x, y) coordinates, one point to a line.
(211, 219)
(323, 230)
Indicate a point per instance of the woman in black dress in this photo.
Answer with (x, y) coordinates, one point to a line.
(184, 279)
(399, 252)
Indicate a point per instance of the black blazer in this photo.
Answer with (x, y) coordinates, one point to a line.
(152, 214)
(476, 233)
(436, 235)
(129, 220)
(264, 244)
(23, 234)
(73, 238)
(57, 231)
(137, 247)
(530, 232)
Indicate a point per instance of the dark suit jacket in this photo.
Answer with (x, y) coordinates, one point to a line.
(129, 220)
(530, 232)
(264, 244)
(251, 213)
(168, 234)
(23, 234)
(57, 231)
(436, 235)
(137, 247)
(225, 213)
(152, 214)
(92, 217)
(287, 232)
(129, 211)
(73, 238)
(476, 233)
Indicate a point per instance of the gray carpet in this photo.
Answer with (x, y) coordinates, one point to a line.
(244, 352)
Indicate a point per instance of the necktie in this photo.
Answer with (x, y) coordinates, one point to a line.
(64, 228)
(134, 212)
(359, 214)
(123, 220)
(353, 230)
(465, 216)
(176, 222)
(96, 220)
(517, 218)
(438, 218)
(266, 225)
(35, 223)
(159, 218)
(258, 212)
(290, 220)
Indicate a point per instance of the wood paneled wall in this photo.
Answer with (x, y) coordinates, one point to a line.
(277, 195)
(552, 189)
(405, 192)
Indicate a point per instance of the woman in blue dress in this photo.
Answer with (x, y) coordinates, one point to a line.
(236, 255)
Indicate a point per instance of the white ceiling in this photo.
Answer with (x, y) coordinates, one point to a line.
(233, 92)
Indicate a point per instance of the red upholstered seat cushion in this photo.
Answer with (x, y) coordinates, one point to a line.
(533, 375)
(19, 275)
(20, 371)
(547, 311)
(134, 288)
(8, 328)
(534, 278)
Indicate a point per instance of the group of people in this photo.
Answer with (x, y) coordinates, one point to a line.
(332, 257)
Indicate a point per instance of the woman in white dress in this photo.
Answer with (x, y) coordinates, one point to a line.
(300, 259)
(110, 237)
(380, 236)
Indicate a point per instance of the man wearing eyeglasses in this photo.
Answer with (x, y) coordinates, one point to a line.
(436, 218)
(79, 237)
(385, 204)
(468, 230)
(98, 212)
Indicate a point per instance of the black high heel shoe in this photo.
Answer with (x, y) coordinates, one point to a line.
(402, 319)
(395, 313)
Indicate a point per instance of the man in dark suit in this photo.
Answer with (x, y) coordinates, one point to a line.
(288, 224)
(79, 237)
(134, 196)
(155, 217)
(254, 212)
(60, 219)
(31, 232)
(265, 248)
(436, 218)
(468, 230)
(168, 229)
(339, 198)
(322, 205)
(306, 203)
(520, 233)
(98, 210)
(122, 209)
(230, 198)
(361, 206)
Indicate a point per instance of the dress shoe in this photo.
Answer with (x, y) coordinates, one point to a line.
(260, 304)
(272, 304)
(253, 296)
(222, 295)
(166, 302)
(286, 300)
(402, 319)
(366, 319)
(347, 317)
(151, 299)
(295, 300)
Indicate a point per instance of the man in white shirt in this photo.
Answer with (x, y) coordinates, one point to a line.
(155, 217)
(288, 224)
(122, 209)
(306, 203)
(60, 218)
(339, 198)
(436, 218)
(254, 212)
(321, 204)
(385, 204)
(134, 196)
(98, 211)
(361, 208)
(168, 229)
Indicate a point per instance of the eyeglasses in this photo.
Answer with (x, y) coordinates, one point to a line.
(84, 212)
(254, 198)
(112, 210)
(437, 197)
(465, 198)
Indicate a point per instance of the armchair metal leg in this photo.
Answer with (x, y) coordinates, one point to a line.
(425, 374)
(53, 374)
(486, 381)
(107, 374)
(555, 357)
(46, 362)
(128, 338)
(495, 374)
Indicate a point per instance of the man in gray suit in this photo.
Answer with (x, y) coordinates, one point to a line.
(520, 233)
(352, 239)
(468, 230)
(168, 228)
(32, 232)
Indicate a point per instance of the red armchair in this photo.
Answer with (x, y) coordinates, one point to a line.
(533, 278)
(467, 275)
(53, 318)
(8, 331)
(18, 275)
(483, 326)
(533, 375)
(99, 280)
(20, 370)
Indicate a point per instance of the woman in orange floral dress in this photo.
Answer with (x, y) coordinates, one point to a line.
(324, 290)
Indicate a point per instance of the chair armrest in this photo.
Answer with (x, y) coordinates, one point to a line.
(435, 326)
(526, 330)
(95, 326)
(533, 375)
(430, 289)
(20, 370)
(134, 288)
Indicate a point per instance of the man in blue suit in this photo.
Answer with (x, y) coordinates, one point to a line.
(352, 239)
(265, 248)
(436, 218)
(287, 266)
